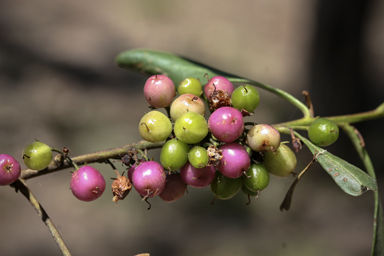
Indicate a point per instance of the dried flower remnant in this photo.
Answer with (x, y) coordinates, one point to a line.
(218, 99)
(214, 156)
(120, 187)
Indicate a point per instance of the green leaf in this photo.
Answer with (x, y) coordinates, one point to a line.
(177, 68)
(351, 179)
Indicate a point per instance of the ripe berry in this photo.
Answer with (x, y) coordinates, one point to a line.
(186, 103)
(257, 177)
(235, 160)
(225, 188)
(263, 138)
(197, 177)
(323, 132)
(9, 169)
(226, 124)
(87, 184)
(218, 83)
(190, 85)
(174, 154)
(132, 169)
(155, 126)
(149, 179)
(174, 188)
(198, 157)
(280, 163)
(159, 91)
(191, 128)
(245, 97)
(37, 155)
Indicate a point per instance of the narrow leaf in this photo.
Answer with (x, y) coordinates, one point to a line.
(175, 67)
(149, 62)
(351, 179)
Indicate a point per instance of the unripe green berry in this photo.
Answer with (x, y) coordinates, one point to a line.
(323, 132)
(174, 154)
(191, 128)
(256, 178)
(190, 85)
(198, 157)
(280, 163)
(245, 97)
(37, 155)
(225, 188)
(155, 126)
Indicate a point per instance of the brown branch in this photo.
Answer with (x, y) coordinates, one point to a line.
(58, 164)
(21, 186)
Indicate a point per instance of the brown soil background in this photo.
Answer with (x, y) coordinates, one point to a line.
(59, 84)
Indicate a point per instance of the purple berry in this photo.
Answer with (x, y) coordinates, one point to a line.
(133, 167)
(226, 124)
(197, 177)
(9, 170)
(235, 160)
(220, 83)
(149, 179)
(159, 91)
(174, 188)
(87, 184)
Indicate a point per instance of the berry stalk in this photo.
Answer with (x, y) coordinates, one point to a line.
(21, 186)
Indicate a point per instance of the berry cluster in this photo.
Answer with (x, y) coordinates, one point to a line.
(199, 151)
(217, 150)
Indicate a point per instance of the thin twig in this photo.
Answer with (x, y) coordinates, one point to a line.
(96, 157)
(378, 223)
(21, 186)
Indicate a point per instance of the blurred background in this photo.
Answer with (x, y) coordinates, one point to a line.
(59, 84)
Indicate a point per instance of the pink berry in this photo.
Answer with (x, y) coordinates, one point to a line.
(220, 83)
(174, 188)
(226, 124)
(197, 177)
(132, 168)
(149, 179)
(87, 184)
(235, 160)
(159, 91)
(9, 170)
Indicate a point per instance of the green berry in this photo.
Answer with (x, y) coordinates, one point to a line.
(225, 188)
(323, 132)
(37, 155)
(246, 191)
(245, 97)
(155, 126)
(174, 154)
(191, 128)
(257, 177)
(190, 85)
(280, 163)
(198, 157)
